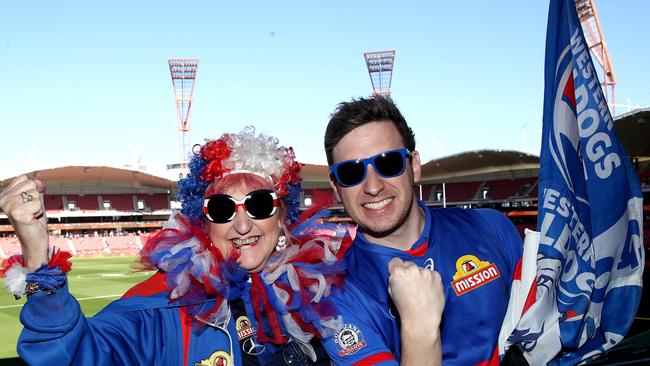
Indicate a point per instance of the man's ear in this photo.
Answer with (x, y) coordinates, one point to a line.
(334, 188)
(417, 166)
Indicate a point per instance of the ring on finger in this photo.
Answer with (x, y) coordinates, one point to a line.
(25, 197)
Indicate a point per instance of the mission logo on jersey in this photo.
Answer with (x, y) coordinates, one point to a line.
(472, 273)
(349, 339)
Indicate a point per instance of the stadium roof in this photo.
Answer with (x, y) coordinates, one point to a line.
(480, 165)
(99, 179)
(633, 129)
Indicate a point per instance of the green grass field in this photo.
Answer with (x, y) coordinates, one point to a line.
(94, 282)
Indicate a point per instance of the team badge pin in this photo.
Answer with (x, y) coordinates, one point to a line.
(244, 327)
(219, 358)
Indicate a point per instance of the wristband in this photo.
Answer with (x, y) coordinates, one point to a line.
(33, 287)
(21, 281)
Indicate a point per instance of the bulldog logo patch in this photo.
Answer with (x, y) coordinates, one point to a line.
(349, 339)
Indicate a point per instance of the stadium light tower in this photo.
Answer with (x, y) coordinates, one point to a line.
(598, 46)
(380, 69)
(183, 72)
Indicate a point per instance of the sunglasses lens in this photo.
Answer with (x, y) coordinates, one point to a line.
(260, 204)
(390, 164)
(221, 208)
(351, 172)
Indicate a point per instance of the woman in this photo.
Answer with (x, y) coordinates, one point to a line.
(232, 287)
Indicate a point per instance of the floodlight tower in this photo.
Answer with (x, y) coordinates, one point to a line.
(380, 69)
(183, 72)
(598, 46)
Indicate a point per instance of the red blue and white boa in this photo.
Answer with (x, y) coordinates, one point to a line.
(288, 298)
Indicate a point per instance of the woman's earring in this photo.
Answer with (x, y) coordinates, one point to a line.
(282, 242)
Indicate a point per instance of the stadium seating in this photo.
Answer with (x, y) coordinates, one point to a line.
(462, 191)
(63, 244)
(428, 192)
(153, 202)
(89, 245)
(85, 203)
(123, 244)
(9, 246)
(503, 189)
(53, 202)
(120, 202)
(320, 197)
(84, 246)
(644, 177)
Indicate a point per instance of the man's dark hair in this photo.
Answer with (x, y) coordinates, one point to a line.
(358, 112)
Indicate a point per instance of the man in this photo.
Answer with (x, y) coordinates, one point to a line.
(374, 165)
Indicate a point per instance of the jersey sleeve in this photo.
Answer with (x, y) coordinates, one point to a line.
(510, 242)
(358, 342)
(57, 332)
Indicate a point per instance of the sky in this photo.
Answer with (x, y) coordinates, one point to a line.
(87, 83)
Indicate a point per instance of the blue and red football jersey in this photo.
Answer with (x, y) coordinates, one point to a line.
(475, 252)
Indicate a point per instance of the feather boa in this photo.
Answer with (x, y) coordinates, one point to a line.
(289, 296)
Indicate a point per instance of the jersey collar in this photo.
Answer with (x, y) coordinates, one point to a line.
(363, 243)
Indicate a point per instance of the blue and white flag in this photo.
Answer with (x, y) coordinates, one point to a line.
(590, 255)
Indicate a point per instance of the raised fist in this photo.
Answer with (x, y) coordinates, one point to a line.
(23, 203)
(417, 293)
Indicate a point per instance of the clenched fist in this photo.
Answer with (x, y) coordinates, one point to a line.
(417, 293)
(23, 202)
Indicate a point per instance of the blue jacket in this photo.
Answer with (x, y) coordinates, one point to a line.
(142, 328)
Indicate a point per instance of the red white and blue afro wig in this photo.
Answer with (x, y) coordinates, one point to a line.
(244, 152)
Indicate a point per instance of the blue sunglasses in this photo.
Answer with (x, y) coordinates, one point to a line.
(388, 164)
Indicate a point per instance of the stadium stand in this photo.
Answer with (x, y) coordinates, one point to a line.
(119, 202)
(88, 245)
(644, 177)
(123, 244)
(153, 202)
(320, 197)
(85, 246)
(428, 192)
(83, 202)
(462, 191)
(534, 193)
(9, 246)
(54, 202)
(63, 244)
(503, 189)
